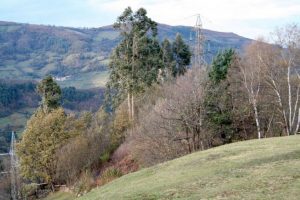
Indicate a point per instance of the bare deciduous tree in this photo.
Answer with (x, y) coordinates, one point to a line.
(284, 76)
(251, 69)
(173, 126)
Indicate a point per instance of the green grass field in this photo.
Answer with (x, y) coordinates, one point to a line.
(60, 196)
(86, 80)
(255, 169)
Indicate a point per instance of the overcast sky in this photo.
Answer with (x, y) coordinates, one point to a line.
(250, 18)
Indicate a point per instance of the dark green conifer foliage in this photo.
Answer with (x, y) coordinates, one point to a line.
(168, 58)
(218, 102)
(220, 66)
(182, 56)
(50, 92)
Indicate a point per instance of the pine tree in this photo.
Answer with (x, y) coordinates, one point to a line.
(50, 92)
(220, 66)
(182, 56)
(218, 103)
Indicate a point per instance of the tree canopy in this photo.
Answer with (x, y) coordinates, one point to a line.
(182, 56)
(139, 59)
(218, 101)
(135, 62)
(50, 92)
(220, 65)
(44, 133)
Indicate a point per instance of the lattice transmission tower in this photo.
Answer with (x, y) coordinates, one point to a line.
(14, 169)
(198, 60)
(14, 166)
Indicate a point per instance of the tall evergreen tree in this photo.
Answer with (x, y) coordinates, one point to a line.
(135, 62)
(218, 103)
(50, 92)
(168, 58)
(220, 66)
(182, 56)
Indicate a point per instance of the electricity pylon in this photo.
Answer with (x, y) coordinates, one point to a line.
(14, 164)
(199, 60)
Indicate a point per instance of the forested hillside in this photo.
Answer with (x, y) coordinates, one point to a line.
(33, 51)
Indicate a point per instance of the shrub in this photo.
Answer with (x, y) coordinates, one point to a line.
(110, 174)
(104, 157)
(82, 152)
(28, 190)
(4, 187)
(171, 127)
(120, 124)
(84, 184)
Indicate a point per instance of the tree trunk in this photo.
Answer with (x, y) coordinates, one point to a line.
(298, 122)
(290, 99)
(282, 110)
(256, 119)
(132, 108)
(129, 106)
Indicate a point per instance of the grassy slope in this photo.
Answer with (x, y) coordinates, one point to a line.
(60, 196)
(266, 169)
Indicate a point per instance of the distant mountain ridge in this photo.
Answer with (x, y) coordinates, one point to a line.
(30, 51)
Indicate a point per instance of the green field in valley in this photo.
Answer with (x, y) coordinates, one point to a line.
(86, 80)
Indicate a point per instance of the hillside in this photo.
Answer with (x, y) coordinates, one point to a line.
(31, 51)
(255, 169)
(19, 99)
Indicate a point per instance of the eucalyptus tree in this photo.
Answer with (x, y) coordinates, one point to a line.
(136, 61)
